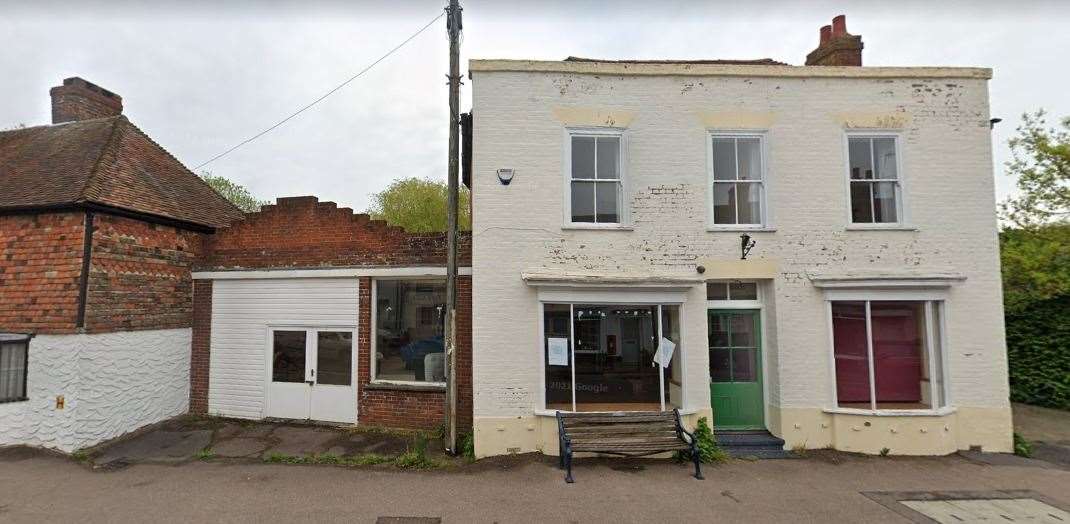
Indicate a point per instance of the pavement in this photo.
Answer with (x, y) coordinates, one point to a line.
(189, 438)
(822, 486)
(1047, 429)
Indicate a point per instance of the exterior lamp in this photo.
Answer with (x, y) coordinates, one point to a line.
(505, 176)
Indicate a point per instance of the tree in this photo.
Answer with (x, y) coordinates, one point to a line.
(1040, 159)
(238, 194)
(418, 205)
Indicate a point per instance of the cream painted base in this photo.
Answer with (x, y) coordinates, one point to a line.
(989, 428)
(533, 433)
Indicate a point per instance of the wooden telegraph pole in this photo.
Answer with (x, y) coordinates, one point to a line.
(453, 26)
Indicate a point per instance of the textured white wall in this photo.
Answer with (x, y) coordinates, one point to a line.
(947, 170)
(112, 383)
(242, 310)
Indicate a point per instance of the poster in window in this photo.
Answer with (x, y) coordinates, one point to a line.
(665, 350)
(557, 351)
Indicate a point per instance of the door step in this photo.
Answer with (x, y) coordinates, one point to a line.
(751, 444)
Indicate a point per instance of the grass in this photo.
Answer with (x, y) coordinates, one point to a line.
(415, 457)
(204, 454)
(468, 447)
(80, 455)
(1022, 447)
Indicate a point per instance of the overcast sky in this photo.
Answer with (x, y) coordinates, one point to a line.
(200, 77)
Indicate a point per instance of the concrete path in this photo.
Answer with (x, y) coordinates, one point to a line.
(1048, 430)
(821, 487)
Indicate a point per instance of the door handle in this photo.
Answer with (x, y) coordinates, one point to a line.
(310, 382)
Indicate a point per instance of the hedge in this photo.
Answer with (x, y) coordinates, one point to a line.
(1038, 351)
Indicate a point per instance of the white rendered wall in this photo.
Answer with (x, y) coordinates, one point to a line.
(945, 148)
(112, 383)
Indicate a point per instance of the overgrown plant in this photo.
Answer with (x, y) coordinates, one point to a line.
(204, 454)
(1022, 447)
(468, 447)
(708, 450)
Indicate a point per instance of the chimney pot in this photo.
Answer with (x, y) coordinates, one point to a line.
(826, 34)
(839, 26)
(78, 99)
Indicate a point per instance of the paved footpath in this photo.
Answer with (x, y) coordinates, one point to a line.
(821, 487)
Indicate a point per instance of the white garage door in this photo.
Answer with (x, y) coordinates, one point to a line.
(284, 348)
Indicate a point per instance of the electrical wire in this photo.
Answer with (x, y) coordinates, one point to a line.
(321, 98)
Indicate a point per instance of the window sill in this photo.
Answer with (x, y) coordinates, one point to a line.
(880, 227)
(553, 412)
(597, 227)
(406, 386)
(741, 229)
(942, 412)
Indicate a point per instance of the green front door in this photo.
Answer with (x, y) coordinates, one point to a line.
(736, 369)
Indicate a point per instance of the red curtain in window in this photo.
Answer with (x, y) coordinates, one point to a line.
(897, 349)
(851, 351)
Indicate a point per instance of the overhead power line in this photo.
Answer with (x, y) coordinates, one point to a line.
(321, 98)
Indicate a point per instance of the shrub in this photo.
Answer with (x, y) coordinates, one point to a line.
(708, 450)
(468, 447)
(1022, 447)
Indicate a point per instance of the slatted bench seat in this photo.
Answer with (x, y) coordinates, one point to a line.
(626, 433)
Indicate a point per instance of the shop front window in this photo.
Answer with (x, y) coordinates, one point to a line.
(409, 331)
(605, 357)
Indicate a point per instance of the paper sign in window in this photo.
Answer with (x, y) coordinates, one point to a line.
(665, 350)
(557, 351)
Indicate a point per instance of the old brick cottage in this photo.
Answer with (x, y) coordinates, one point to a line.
(131, 292)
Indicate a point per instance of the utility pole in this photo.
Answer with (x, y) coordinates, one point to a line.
(453, 26)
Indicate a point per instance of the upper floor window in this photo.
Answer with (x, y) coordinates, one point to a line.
(876, 192)
(738, 192)
(595, 178)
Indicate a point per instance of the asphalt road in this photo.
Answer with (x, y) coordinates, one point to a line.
(822, 487)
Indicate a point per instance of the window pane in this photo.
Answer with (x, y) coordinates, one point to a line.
(558, 370)
(850, 350)
(750, 159)
(614, 348)
(583, 201)
(750, 209)
(716, 291)
(884, 153)
(606, 203)
(13, 370)
(898, 341)
(288, 356)
(860, 157)
(334, 358)
(720, 365)
(582, 157)
(744, 367)
(743, 290)
(724, 159)
(608, 157)
(719, 331)
(743, 334)
(724, 203)
(861, 203)
(884, 209)
(410, 324)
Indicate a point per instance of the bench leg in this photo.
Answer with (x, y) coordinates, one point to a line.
(568, 467)
(697, 459)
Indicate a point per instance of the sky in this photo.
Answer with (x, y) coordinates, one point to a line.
(200, 77)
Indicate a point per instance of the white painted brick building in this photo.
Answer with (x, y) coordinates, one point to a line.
(878, 319)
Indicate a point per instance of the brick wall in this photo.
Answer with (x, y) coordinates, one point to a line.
(302, 232)
(40, 269)
(140, 275)
(200, 352)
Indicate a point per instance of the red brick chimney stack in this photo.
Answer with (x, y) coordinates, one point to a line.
(78, 99)
(837, 47)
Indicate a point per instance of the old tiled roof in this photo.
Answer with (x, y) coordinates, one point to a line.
(104, 161)
(758, 61)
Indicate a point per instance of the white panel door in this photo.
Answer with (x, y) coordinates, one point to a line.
(312, 374)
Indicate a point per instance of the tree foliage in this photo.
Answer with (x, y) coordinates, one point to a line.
(1036, 265)
(418, 205)
(237, 194)
(1040, 159)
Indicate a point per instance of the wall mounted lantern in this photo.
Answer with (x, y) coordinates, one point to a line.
(745, 245)
(505, 176)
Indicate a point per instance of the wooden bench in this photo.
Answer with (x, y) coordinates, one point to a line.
(626, 433)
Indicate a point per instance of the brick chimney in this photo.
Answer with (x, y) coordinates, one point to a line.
(837, 46)
(78, 99)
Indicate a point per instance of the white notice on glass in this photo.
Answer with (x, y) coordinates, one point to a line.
(557, 353)
(664, 354)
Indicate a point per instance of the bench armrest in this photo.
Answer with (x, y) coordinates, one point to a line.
(680, 431)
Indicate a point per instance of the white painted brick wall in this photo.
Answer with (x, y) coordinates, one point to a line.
(947, 171)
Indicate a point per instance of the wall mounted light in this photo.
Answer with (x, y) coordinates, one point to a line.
(745, 245)
(505, 176)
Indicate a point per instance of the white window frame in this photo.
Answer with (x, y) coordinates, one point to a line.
(763, 182)
(731, 303)
(374, 336)
(623, 212)
(929, 297)
(902, 220)
(24, 341)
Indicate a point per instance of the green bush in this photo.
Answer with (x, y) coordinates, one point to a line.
(1022, 447)
(708, 450)
(1038, 353)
